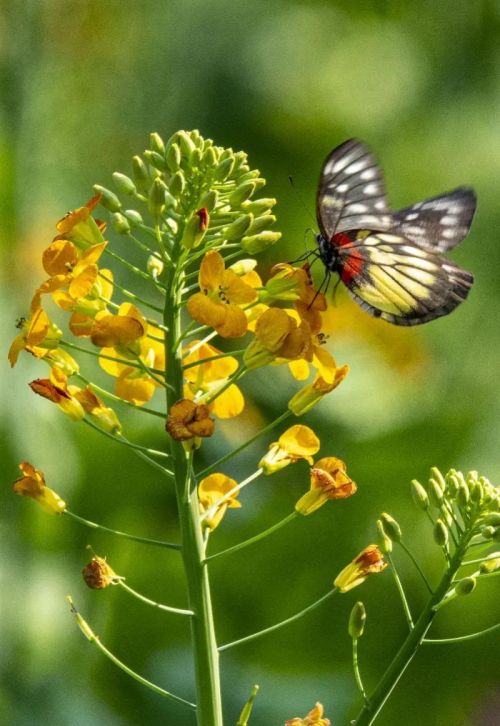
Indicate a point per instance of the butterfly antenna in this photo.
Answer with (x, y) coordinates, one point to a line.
(326, 279)
(302, 203)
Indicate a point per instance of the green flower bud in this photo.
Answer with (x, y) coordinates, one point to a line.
(258, 206)
(241, 267)
(140, 174)
(472, 477)
(258, 242)
(209, 158)
(157, 160)
(440, 533)
(224, 169)
(242, 193)
(154, 266)
(420, 496)
(452, 486)
(492, 564)
(261, 223)
(238, 228)
(195, 159)
(391, 527)
(357, 621)
(157, 197)
(493, 519)
(133, 217)
(463, 495)
(194, 231)
(259, 183)
(384, 541)
(123, 183)
(177, 184)
(156, 143)
(477, 492)
(109, 200)
(186, 144)
(465, 586)
(248, 175)
(121, 224)
(209, 200)
(487, 532)
(435, 492)
(437, 476)
(173, 157)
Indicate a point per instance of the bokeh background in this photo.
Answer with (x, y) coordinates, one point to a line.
(82, 85)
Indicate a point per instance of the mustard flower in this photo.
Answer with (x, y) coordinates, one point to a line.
(98, 574)
(32, 484)
(209, 376)
(38, 335)
(313, 718)
(187, 420)
(329, 480)
(212, 491)
(313, 392)
(298, 442)
(368, 562)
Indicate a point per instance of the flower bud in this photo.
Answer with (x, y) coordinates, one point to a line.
(258, 206)
(492, 564)
(241, 267)
(440, 533)
(133, 217)
(463, 495)
(357, 621)
(384, 541)
(435, 492)
(465, 586)
(391, 527)
(121, 224)
(209, 200)
(209, 158)
(487, 532)
(420, 496)
(173, 157)
(156, 160)
(109, 200)
(224, 169)
(154, 266)
(493, 519)
(194, 231)
(123, 183)
(156, 143)
(195, 159)
(437, 476)
(186, 144)
(261, 223)
(238, 228)
(476, 492)
(140, 174)
(242, 193)
(177, 184)
(258, 242)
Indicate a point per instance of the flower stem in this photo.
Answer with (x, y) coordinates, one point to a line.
(133, 537)
(131, 295)
(461, 638)
(281, 624)
(357, 673)
(153, 603)
(254, 539)
(401, 591)
(114, 397)
(415, 562)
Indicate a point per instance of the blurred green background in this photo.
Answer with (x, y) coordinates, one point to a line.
(82, 85)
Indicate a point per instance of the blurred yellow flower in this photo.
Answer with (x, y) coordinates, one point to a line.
(212, 495)
(298, 442)
(368, 562)
(313, 718)
(208, 377)
(222, 292)
(187, 420)
(32, 484)
(38, 335)
(329, 480)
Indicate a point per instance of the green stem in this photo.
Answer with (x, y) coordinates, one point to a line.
(281, 624)
(209, 359)
(131, 295)
(206, 658)
(125, 442)
(406, 653)
(357, 673)
(415, 562)
(254, 539)
(153, 603)
(114, 397)
(133, 537)
(92, 637)
(232, 453)
(401, 591)
(123, 361)
(129, 265)
(461, 638)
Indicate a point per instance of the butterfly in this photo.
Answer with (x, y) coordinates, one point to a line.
(391, 262)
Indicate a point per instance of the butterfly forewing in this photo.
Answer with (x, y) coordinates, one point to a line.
(439, 223)
(351, 192)
(398, 281)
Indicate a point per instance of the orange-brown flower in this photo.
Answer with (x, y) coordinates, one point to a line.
(222, 292)
(213, 493)
(297, 442)
(313, 718)
(329, 480)
(98, 574)
(32, 484)
(58, 394)
(187, 420)
(368, 562)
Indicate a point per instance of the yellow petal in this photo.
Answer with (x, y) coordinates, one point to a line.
(299, 369)
(59, 257)
(211, 271)
(236, 290)
(300, 441)
(272, 328)
(205, 310)
(234, 324)
(82, 284)
(135, 390)
(230, 403)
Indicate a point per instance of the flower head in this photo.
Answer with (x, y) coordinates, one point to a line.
(79, 226)
(214, 498)
(98, 574)
(55, 389)
(208, 377)
(222, 293)
(313, 718)
(38, 336)
(187, 420)
(368, 562)
(298, 442)
(32, 484)
(329, 480)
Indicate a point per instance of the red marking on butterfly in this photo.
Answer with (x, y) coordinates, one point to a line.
(353, 262)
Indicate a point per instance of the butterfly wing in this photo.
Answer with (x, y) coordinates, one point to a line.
(351, 192)
(392, 278)
(439, 223)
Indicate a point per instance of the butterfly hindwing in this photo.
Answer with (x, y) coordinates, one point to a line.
(392, 278)
(439, 223)
(351, 192)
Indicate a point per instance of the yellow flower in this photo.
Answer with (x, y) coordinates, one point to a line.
(85, 309)
(222, 292)
(298, 442)
(58, 394)
(328, 481)
(368, 562)
(92, 404)
(313, 392)
(277, 335)
(212, 495)
(209, 376)
(187, 420)
(313, 718)
(120, 332)
(98, 574)
(38, 335)
(32, 484)
(80, 227)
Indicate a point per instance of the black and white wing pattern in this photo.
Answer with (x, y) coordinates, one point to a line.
(391, 263)
(351, 192)
(439, 223)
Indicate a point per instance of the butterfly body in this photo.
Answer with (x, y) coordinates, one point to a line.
(390, 262)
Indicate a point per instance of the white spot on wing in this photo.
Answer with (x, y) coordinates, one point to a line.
(371, 189)
(368, 174)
